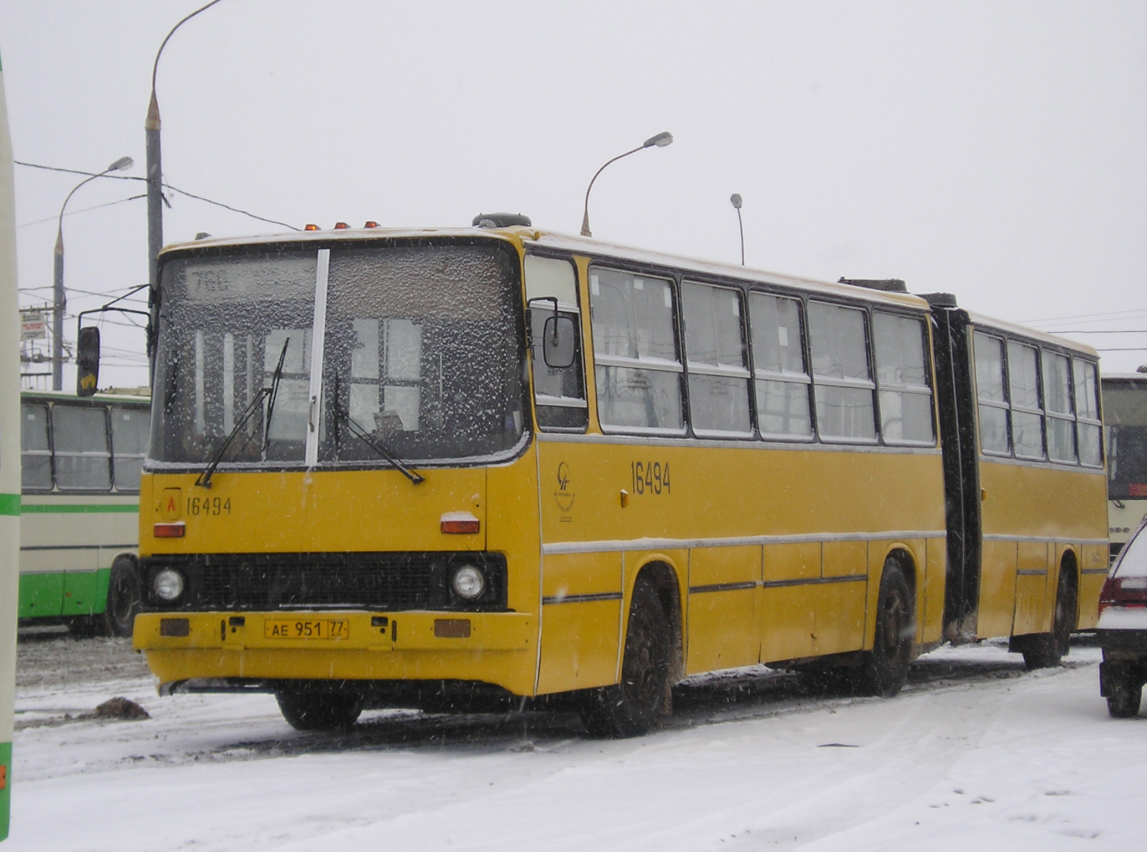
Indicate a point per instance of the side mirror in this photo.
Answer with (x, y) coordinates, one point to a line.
(87, 361)
(558, 342)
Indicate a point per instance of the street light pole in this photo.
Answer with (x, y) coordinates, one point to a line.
(155, 176)
(59, 297)
(659, 141)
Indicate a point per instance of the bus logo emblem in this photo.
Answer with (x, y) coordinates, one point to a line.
(563, 496)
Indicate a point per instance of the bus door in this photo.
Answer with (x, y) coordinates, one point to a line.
(581, 591)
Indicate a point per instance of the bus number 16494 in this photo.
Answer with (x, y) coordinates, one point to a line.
(650, 477)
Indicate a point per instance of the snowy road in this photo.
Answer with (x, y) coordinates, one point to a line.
(975, 754)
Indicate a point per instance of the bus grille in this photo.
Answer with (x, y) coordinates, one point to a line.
(375, 581)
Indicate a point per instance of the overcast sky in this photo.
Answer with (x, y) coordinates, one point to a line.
(996, 150)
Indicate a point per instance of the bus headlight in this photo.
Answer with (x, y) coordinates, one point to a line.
(468, 583)
(168, 585)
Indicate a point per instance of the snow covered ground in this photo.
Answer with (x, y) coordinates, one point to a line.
(975, 754)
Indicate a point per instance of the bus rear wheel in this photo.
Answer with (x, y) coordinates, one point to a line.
(885, 667)
(1045, 650)
(631, 707)
(310, 709)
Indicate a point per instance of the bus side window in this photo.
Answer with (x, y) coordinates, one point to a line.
(35, 452)
(1089, 429)
(81, 443)
(1023, 393)
(637, 368)
(715, 353)
(559, 392)
(781, 376)
(842, 386)
(990, 396)
(129, 444)
(1057, 399)
(902, 373)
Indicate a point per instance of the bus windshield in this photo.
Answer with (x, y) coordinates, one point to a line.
(420, 356)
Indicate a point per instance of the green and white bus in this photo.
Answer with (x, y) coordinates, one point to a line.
(9, 457)
(82, 458)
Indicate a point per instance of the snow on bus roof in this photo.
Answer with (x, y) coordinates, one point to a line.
(597, 248)
(600, 249)
(1030, 333)
(140, 394)
(341, 235)
(574, 245)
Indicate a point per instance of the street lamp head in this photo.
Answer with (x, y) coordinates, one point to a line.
(121, 164)
(660, 140)
(735, 200)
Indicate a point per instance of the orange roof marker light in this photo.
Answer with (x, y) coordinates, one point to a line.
(342, 226)
(370, 223)
(311, 228)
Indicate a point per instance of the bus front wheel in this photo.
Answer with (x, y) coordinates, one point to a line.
(885, 667)
(631, 707)
(123, 598)
(308, 709)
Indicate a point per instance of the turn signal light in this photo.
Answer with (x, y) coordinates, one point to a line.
(459, 523)
(172, 530)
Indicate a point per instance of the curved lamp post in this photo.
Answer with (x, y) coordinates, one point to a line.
(154, 170)
(658, 141)
(58, 296)
(735, 200)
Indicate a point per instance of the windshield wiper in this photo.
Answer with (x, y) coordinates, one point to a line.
(273, 393)
(254, 405)
(368, 439)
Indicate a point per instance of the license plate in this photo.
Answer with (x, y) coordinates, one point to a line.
(306, 628)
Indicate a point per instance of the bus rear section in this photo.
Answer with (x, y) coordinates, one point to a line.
(1024, 475)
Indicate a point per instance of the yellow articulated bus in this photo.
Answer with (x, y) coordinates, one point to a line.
(426, 467)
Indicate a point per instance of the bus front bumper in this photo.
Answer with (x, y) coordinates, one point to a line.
(496, 648)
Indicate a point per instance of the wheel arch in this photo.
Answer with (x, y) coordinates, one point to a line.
(129, 557)
(666, 580)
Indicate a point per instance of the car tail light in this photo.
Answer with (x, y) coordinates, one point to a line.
(176, 529)
(1124, 591)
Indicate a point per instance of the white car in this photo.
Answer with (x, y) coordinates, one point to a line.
(1122, 628)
